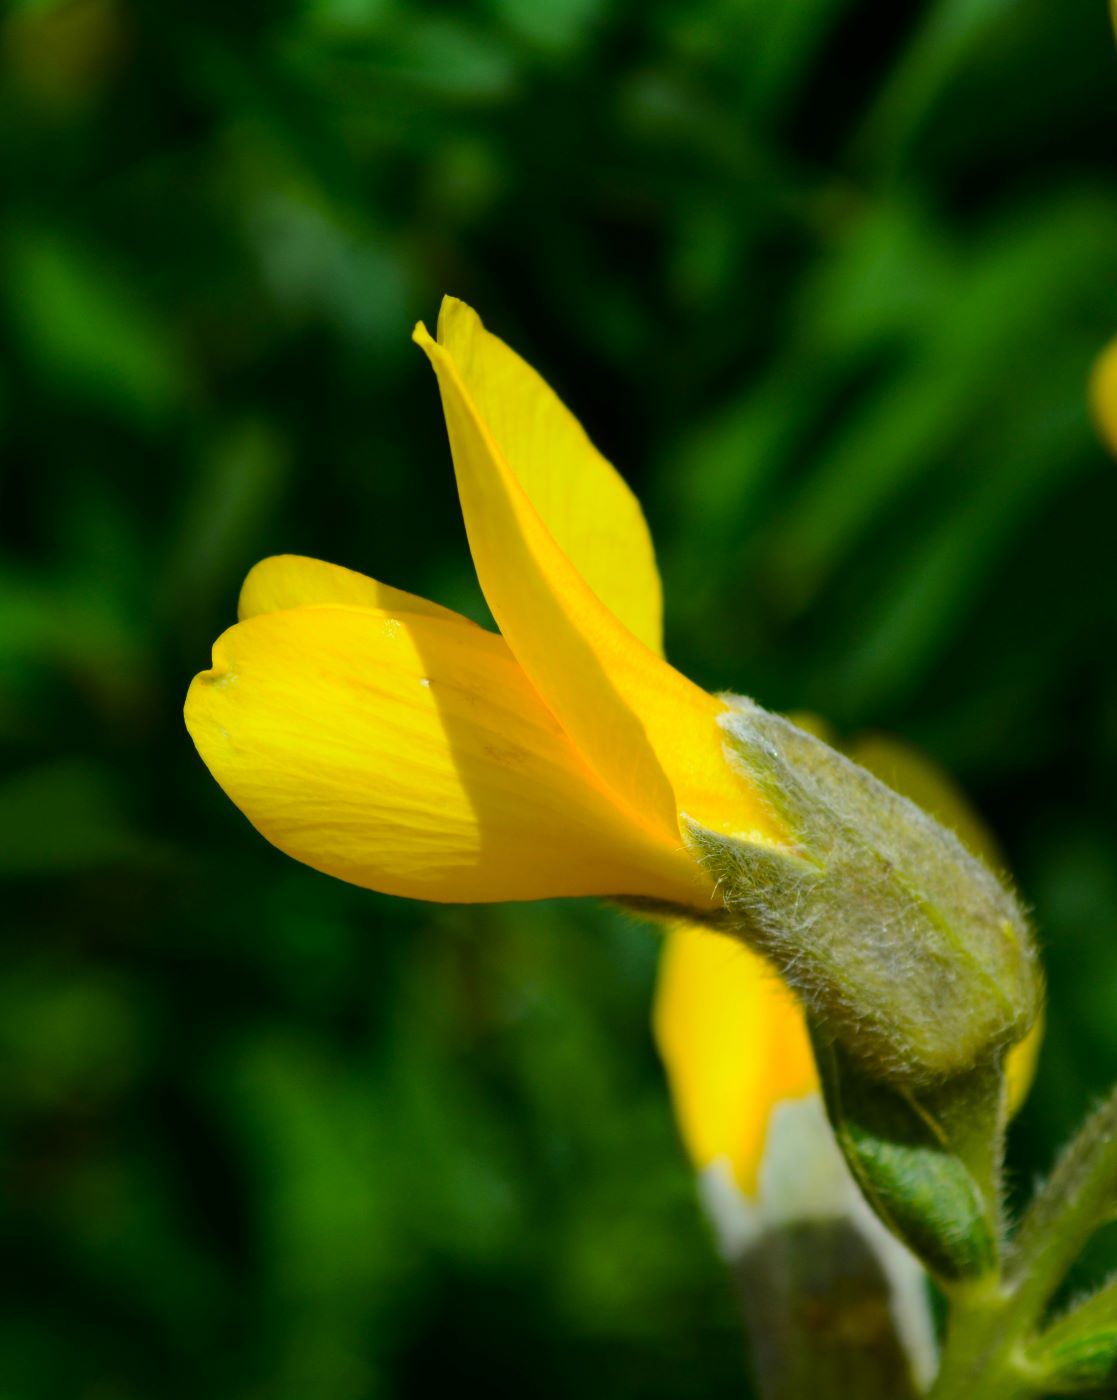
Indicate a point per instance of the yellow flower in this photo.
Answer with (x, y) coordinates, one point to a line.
(388, 741)
(733, 1038)
(1103, 395)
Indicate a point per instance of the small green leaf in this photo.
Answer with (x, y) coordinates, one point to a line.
(1079, 1351)
(911, 1166)
(1078, 1198)
(1085, 1362)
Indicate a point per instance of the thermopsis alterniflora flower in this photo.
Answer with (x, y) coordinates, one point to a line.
(388, 741)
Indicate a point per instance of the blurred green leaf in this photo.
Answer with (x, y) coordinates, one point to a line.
(1040, 270)
(557, 28)
(947, 35)
(451, 58)
(69, 1035)
(65, 817)
(87, 330)
(239, 478)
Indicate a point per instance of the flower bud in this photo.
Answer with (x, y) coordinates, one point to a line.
(904, 947)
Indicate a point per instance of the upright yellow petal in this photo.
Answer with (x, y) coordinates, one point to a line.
(734, 1044)
(409, 754)
(1103, 395)
(594, 517)
(650, 734)
(286, 581)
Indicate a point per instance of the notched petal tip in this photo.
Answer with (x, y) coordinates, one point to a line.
(217, 678)
(197, 709)
(452, 310)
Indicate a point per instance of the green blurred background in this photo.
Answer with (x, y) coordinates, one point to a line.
(825, 279)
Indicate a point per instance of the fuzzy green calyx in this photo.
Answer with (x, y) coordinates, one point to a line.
(903, 945)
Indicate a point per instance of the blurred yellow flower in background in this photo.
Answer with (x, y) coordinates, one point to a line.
(1103, 395)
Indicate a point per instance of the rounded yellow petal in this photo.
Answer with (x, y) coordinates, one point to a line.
(649, 733)
(286, 581)
(734, 1044)
(1103, 395)
(410, 755)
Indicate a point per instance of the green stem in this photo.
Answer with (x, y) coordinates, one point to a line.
(982, 1357)
(993, 1321)
(1079, 1196)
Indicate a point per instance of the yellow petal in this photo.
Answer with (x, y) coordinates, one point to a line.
(1103, 395)
(734, 1044)
(1020, 1066)
(650, 734)
(585, 504)
(410, 755)
(294, 581)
